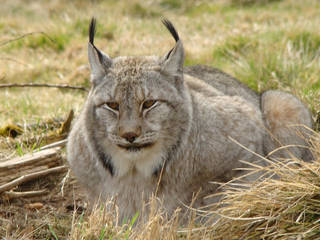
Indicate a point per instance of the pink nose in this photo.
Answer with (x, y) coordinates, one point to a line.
(130, 136)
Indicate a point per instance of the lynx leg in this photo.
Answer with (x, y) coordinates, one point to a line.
(288, 122)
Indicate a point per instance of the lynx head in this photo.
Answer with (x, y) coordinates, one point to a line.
(137, 109)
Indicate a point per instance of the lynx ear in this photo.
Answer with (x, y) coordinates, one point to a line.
(99, 61)
(173, 61)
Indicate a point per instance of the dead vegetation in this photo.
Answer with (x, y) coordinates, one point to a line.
(284, 207)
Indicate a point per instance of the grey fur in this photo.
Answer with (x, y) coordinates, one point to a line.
(187, 134)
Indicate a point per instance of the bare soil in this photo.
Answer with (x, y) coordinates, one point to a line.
(46, 217)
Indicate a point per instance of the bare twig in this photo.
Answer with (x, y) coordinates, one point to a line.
(11, 195)
(13, 60)
(25, 35)
(11, 85)
(61, 143)
(29, 177)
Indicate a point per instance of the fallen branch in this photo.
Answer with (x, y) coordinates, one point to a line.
(30, 163)
(13, 60)
(30, 177)
(25, 35)
(65, 86)
(12, 195)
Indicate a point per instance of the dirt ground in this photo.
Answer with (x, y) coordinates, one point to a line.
(44, 217)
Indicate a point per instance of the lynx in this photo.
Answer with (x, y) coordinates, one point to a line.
(152, 126)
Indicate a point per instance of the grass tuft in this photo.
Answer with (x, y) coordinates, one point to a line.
(250, 3)
(286, 207)
(53, 233)
(306, 41)
(139, 11)
(171, 4)
(239, 45)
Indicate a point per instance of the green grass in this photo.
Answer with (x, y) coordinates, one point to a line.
(235, 46)
(205, 8)
(252, 3)
(53, 233)
(306, 41)
(171, 4)
(40, 40)
(138, 10)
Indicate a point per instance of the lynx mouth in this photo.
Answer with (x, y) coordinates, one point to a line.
(135, 147)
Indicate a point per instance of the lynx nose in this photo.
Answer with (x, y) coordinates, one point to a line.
(130, 136)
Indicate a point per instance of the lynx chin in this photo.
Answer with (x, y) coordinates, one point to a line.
(152, 126)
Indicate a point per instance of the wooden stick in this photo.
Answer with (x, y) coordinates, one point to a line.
(30, 159)
(61, 143)
(30, 177)
(31, 169)
(12, 195)
(25, 35)
(29, 163)
(65, 86)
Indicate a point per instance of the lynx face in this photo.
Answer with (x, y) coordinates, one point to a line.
(134, 104)
(139, 108)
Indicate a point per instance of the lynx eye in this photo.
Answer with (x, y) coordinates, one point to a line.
(113, 105)
(148, 104)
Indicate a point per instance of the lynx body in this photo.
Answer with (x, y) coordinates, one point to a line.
(150, 126)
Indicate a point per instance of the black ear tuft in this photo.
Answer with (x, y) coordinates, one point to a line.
(171, 29)
(92, 30)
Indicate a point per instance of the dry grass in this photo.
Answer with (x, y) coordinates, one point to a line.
(249, 42)
(264, 43)
(282, 207)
